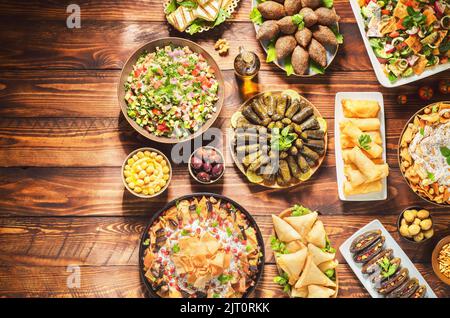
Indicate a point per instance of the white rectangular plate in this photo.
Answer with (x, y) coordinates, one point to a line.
(382, 78)
(339, 116)
(389, 243)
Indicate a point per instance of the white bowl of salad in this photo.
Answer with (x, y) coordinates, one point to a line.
(407, 40)
(171, 90)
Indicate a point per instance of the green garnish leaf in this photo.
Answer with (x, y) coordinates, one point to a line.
(195, 27)
(288, 66)
(392, 78)
(364, 141)
(223, 279)
(281, 280)
(316, 68)
(297, 19)
(271, 52)
(328, 248)
(277, 245)
(422, 131)
(256, 16)
(229, 232)
(171, 7)
(430, 176)
(190, 4)
(248, 248)
(215, 295)
(435, 108)
(146, 242)
(221, 17)
(328, 3)
(330, 274)
(176, 248)
(198, 210)
(339, 36)
(185, 232)
(445, 151)
(214, 224)
(299, 210)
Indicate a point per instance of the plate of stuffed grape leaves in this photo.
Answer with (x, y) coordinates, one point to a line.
(279, 139)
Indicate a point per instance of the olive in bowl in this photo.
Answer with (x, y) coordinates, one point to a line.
(206, 165)
(415, 225)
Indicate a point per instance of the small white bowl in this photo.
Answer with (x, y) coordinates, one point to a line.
(192, 173)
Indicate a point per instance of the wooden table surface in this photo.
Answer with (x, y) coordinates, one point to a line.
(63, 140)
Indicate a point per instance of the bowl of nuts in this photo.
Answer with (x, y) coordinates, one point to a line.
(146, 172)
(415, 225)
(206, 165)
(440, 260)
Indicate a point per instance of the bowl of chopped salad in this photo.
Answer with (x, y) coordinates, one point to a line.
(171, 90)
(406, 40)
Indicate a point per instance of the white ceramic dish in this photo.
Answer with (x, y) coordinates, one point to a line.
(338, 117)
(397, 251)
(382, 78)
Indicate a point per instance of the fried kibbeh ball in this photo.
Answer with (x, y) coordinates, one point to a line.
(313, 4)
(309, 17)
(292, 6)
(326, 16)
(287, 26)
(268, 30)
(317, 53)
(300, 60)
(324, 35)
(285, 45)
(303, 37)
(271, 10)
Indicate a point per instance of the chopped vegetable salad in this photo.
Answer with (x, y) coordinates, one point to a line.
(171, 92)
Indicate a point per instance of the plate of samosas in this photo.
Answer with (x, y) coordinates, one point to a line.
(300, 36)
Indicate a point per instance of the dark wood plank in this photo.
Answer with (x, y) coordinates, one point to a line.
(93, 93)
(99, 191)
(112, 241)
(124, 281)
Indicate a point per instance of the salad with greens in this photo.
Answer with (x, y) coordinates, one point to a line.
(407, 36)
(171, 92)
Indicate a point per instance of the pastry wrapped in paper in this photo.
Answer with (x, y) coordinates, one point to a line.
(364, 164)
(318, 255)
(284, 231)
(360, 108)
(292, 264)
(315, 291)
(317, 235)
(354, 133)
(347, 142)
(356, 178)
(365, 124)
(302, 224)
(375, 186)
(312, 275)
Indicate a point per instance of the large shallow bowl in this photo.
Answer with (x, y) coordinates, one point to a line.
(155, 216)
(419, 112)
(150, 47)
(331, 50)
(276, 186)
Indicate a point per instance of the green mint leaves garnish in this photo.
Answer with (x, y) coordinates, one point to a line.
(364, 141)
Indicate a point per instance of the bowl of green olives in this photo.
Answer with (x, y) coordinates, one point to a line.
(415, 225)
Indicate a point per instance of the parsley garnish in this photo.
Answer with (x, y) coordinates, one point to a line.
(282, 141)
(387, 268)
(430, 176)
(297, 19)
(176, 248)
(364, 141)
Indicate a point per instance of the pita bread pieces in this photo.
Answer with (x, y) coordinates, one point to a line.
(312, 275)
(302, 224)
(315, 291)
(318, 255)
(284, 231)
(317, 235)
(293, 264)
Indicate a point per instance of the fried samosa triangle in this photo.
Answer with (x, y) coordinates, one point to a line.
(292, 264)
(318, 255)
(317, 235)
(302, 224)
(315, 291)
(299, 292)
(312, 275)
(285, 232)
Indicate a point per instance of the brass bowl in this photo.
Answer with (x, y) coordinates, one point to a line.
(434, 259)
(419, 112)
(276, 186)
(150, 47)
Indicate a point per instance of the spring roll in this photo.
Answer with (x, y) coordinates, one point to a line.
(346, 157)
(347, 142)
(364, 164)
(354, 133)
(374, 186)
(360, 108)
(356, 177)
(365, 124)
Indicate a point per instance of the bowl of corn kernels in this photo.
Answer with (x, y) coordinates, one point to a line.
(146, 172)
